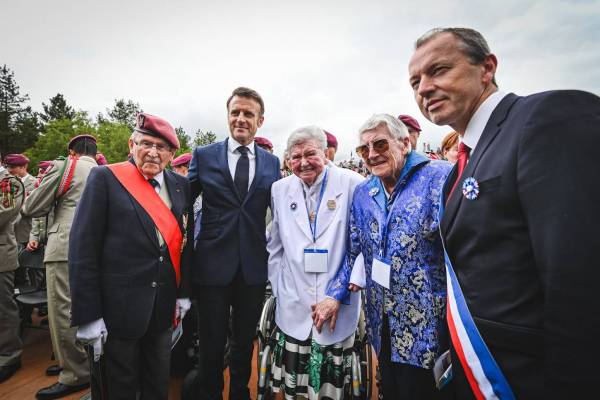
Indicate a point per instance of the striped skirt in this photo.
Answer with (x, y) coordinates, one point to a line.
(310, 370)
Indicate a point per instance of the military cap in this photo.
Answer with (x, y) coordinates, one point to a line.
(182, 160)
(331, 140)
(262, 141)
(16, 160)
(155, 126)
(43, 165)
(100, 159)
(80, 137)
(410, 122)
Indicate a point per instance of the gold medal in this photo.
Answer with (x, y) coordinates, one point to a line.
(312, 216)
(331, 204)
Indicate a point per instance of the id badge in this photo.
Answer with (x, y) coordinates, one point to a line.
(381, 272)
(315, 260)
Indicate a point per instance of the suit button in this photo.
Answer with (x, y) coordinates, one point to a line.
(154, 284)
(161, 258)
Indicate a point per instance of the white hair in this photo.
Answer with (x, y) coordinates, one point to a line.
(307, 133)
(396, 128)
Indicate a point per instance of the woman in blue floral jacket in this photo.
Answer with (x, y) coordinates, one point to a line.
(393, 222)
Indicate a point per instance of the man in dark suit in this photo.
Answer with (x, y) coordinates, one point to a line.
(230, 258)
(521, 220)
(129, 262)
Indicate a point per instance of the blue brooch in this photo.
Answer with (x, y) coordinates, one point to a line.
(293, 206)
(373, 192)
(470, 188)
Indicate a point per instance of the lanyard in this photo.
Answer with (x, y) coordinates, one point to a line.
(313, 226)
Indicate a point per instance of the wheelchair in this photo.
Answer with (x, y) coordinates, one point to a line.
(362, 358)
(30, 296)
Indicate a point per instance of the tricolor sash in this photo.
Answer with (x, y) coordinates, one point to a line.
(135, 183)
(482, 372)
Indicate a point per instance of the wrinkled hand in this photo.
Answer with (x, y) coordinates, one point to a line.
(354, 288)
(324, 311)
(32, 245)
(182, 307)
(95, 334)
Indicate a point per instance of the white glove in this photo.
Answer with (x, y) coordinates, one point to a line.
(94, 333)
(182, 307)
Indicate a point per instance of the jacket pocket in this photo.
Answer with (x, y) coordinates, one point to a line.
(513, 337)
(490, 185)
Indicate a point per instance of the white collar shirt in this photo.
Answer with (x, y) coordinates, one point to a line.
(233, 155)
(479, 120)
(160, 178)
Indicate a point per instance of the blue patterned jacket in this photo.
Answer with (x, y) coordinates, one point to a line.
(415, 302)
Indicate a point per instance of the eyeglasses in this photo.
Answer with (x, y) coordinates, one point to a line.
(380, 146)
(146, 145)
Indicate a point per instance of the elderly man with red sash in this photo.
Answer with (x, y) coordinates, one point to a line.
(128, 262)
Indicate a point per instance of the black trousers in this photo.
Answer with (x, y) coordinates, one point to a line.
(138, 365)
(215, 303)
(404, 381)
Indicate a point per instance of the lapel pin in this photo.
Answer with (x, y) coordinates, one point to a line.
(293, 206)
(331, 204)
(373, 192)
(470, 188)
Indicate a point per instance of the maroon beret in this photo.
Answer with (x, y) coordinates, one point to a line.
(43, 165)
(156, 126)
(16, 160)
(410, 122)
(100, 159)
(331, 140)
(181, 160)
(80, 137)
(262, 141)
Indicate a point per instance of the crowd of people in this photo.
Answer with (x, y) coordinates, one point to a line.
(476, 264)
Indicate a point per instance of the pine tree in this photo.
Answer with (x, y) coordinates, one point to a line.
(57, 109)
(204, 138)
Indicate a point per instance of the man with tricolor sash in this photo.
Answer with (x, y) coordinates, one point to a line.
(58, 193)
(129, 262)
(520, 226)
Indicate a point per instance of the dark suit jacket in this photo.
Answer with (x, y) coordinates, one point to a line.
(232, 232)
(525, 251)
(117, 269)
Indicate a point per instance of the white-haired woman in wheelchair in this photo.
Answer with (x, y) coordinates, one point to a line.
(306, 247)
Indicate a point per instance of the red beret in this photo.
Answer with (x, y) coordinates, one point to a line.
(100, 159)
(16, 160)
(261, 141)
(410, 122)
(331, 140)
(43, 165)
(78, 138)
(156, 126)
(181, 160)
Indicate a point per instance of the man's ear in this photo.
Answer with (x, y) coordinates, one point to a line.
(489, 68)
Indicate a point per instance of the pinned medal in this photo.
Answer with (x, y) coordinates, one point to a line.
(331, 204)
(293, 206)
(470, 188)
(373, 192)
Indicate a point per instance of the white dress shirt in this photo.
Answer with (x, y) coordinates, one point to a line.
(160, 178)
(480, 118)
(233, 155)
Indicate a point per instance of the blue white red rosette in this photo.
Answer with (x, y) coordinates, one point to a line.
(470, 188)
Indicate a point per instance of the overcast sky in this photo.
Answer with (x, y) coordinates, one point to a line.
(329, 63)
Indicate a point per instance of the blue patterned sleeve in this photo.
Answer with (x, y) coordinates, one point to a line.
(337, 288)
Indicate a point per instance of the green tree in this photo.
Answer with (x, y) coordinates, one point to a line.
(113, 141)
(19, 127)
(203, 138)
(123, 112)
(53, 142)
(56, 109)
(184, 142)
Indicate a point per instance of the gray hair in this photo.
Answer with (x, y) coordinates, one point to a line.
(471, 42)
(396, 127)
(306, 133)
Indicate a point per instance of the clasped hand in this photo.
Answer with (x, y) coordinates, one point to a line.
(323, 311)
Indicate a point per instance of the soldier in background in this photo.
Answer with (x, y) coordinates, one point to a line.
(12, 194)
(332, 146)
(16, 165)
(59, 192)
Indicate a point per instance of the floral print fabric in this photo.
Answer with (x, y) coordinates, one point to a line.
(415, 302)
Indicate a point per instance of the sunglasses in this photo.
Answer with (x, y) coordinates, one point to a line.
(380, 146)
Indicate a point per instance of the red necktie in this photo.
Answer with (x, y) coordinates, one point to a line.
(463, 157)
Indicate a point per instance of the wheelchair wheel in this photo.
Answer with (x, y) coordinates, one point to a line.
(266, 325)
(264, 391)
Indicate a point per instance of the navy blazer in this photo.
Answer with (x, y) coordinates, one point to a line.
(525, 250)
(232, 232)
(117, 270)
